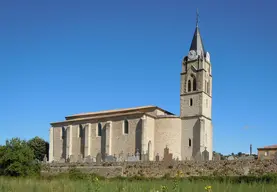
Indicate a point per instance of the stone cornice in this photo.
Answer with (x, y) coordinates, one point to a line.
(197, 60)
(266, 149)
(198, 70)
(195, 92)
(164, 117)
(196, 116)
(108, 118)
(95, 118)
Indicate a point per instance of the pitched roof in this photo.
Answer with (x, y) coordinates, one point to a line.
(122, 110)
(197, 43)
(116, 113)
(269, 147)
(97, 117)
(112, 111)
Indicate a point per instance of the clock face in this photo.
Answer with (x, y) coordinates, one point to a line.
(192, 55)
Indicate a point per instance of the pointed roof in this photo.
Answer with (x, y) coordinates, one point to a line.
(197, 43)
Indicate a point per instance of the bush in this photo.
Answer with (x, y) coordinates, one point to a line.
(17, 159)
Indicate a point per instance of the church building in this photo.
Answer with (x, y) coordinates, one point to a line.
(146, 129)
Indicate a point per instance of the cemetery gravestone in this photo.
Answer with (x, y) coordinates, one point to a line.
(98, 159)
(80, 158)
(157, 157)
(230, 158)
(132, 158)
(138, 154)
(167, 157)
(144, 156)
(72, 158)
(216, 157)
(205, 155)
(110, 158)
(88, 159)
(45, 159)
(120, 158)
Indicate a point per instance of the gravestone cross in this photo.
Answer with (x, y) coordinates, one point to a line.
(205, 154)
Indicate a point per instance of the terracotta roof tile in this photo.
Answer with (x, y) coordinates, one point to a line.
(271, 146)
(112, 111)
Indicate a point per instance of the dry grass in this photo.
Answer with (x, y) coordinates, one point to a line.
(66, 185)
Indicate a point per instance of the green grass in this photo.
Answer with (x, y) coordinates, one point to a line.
(67, 185)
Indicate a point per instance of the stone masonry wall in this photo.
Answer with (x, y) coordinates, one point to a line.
(160, 169)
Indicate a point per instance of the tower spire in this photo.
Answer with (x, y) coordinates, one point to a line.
(197, 17)
(197, 43)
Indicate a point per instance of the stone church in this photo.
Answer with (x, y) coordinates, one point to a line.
(146, 129)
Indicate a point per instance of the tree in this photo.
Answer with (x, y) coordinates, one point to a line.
(17, 159)
(40, 147)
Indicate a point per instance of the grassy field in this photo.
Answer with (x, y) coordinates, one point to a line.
(66, 185)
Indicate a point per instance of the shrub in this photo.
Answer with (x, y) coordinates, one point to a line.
(17, 159)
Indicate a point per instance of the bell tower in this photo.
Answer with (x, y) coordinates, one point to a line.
(196, 100)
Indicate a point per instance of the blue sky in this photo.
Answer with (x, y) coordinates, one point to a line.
(59, 58)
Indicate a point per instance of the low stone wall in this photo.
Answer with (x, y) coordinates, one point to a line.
(109, 172)
(160, 169)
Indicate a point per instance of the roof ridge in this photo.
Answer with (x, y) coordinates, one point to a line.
(113, 110)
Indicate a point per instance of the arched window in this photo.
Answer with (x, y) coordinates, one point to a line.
(190, 102)
(99, 129)
(194, 84)
(126, 126)
(189, 86)
(189, 142)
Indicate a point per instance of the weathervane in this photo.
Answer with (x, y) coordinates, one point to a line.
(197, 17)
